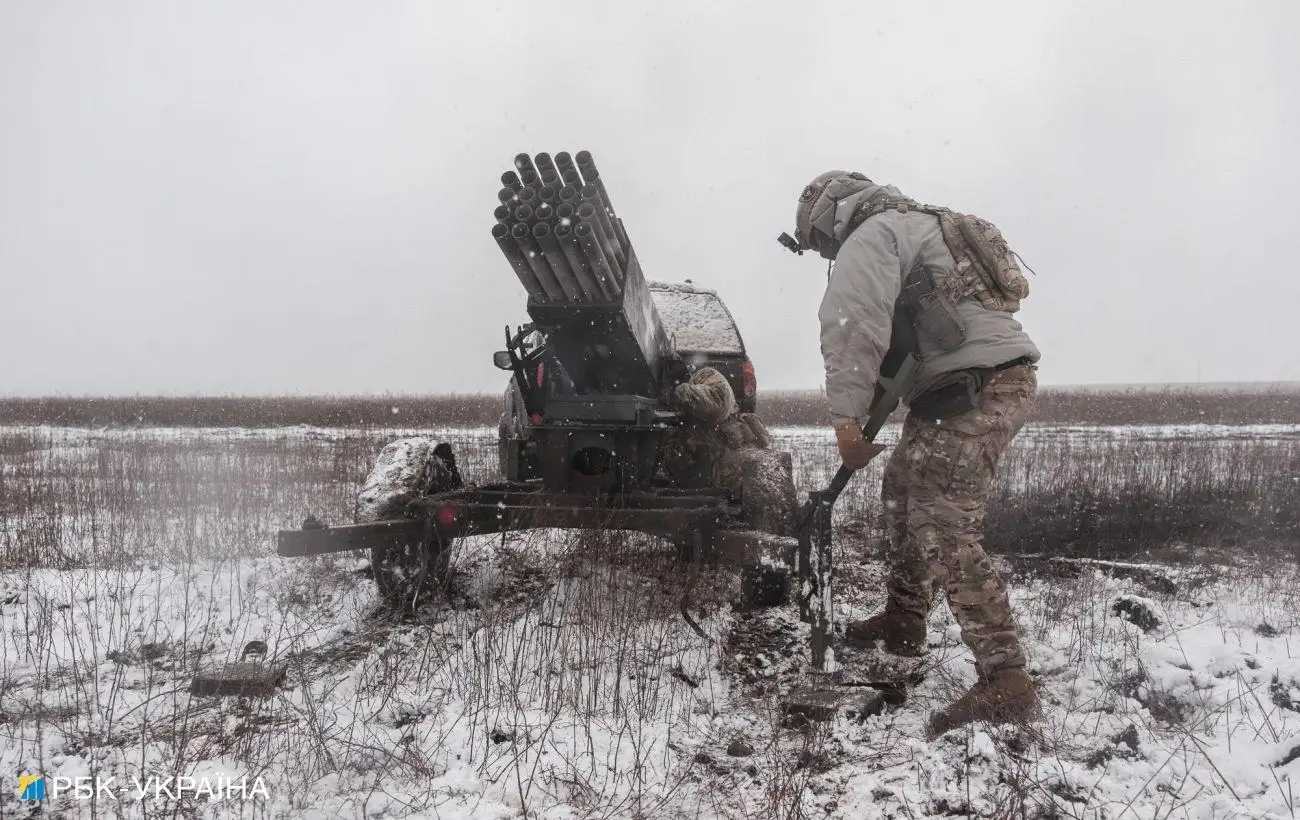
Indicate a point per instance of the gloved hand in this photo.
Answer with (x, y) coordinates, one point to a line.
(682, 396)
(855, 451)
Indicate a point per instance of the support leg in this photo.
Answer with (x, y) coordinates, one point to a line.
(822, 571)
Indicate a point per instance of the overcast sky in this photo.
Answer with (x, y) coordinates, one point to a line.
(296, 197)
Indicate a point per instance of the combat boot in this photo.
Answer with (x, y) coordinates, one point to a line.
(1007, 696)
(901, 632)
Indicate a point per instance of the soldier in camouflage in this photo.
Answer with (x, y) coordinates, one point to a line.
(976, 388)
(718, 446)
(701, 453)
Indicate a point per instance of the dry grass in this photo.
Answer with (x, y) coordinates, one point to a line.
(778, 408)
(141, 496)
(1105, 493)
(1078, 406)
(72, 498)
(448, 410)
(154, 511)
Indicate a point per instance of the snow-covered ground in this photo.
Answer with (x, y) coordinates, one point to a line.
(561, 680)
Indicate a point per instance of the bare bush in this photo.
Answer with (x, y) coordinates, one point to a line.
(69, 498)
(1112, 493)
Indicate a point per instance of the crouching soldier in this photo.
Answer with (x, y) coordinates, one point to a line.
(718, 446)
(941, 286)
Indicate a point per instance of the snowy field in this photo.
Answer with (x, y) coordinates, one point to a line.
(560, 680)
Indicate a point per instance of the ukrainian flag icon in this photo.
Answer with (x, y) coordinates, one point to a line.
(31, 787)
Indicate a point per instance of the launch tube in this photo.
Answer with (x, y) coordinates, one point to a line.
(515, 255)
(523, 235)
(590, 244)
(559, 265)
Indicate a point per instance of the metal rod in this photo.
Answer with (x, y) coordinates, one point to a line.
(586, 233)
(564, 213)
(549, 194)
(523, 235)
(505, 195)
(572, 179)
(517, 260)
(524, 215)
(529, 177)
(528, 195)
(511, 180)
(559, 265)
(544, 212)
(504, 215)
(546, 168)
(594, 285)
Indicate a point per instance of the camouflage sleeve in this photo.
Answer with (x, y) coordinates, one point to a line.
(757, 429)
(857, 316)
(707, 397)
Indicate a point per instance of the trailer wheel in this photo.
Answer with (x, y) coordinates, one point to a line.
(411, 574)
(762, 587)
(406, 469)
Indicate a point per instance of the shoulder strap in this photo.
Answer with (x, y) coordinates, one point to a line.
(871, 208)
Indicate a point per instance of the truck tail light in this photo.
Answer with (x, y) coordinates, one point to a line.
(447, 516)
(749, 379)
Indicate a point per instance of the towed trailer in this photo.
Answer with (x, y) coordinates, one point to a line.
(588, 409)
(410, 554)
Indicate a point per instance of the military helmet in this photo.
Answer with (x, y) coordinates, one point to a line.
(804, 234)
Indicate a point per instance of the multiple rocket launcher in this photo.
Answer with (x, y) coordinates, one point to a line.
(558, 230)
(587, 292)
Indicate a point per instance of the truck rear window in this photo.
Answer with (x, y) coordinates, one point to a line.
(696, 319)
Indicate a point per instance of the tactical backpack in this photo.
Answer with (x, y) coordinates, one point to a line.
(986, 267)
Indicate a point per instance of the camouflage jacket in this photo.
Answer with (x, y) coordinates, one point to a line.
(697, 453)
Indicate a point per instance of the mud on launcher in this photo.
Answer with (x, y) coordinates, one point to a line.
(586, 412)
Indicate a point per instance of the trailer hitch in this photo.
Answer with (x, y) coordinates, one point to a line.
(816, 567)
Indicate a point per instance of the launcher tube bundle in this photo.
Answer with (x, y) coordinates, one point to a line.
(569, 249)
(556, 226)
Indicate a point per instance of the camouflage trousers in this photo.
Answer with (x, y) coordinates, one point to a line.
(936, 484)
(701, 455)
